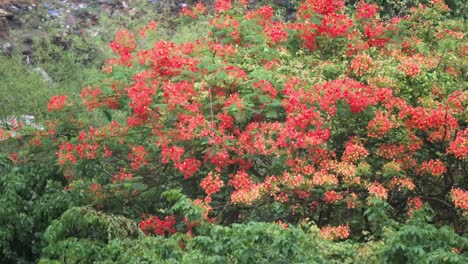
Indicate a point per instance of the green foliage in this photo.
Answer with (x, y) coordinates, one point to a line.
(80, 233)
(258, 243)
(144, 250)
(180, 204)
(31, 197)
(83, 234)
(83, 222)
(378, 216)
(86, 236)
(420, 242)
(22, 90)
(70, 60)
(458, 8)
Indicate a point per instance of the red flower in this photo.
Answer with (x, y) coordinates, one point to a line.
(160, 227)
(211, 184)
(276, 33)
(241, 181)
(332, 197)
(354, 151)
(137, 156)
(57, 102)
(365, 10)
(188, 167)
(222, 6)
(379, 126)
(122, 176)
(65, 154)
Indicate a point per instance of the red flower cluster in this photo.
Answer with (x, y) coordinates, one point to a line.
(276, 33)
(332, 197)
(87, 151)
(460, 198)
(137, 157)
(123, 45)
(65, 153)
(263, 15)
(141, 98)
(157, 226)
(361, 64)
(241, 181)
(459, 147)
(366, 11)
(188, 167)
(222, 6)
(195, 12)
(379, 126)
(410, 68)
(414, 203)
(354, 151)
(323, 7)
(434, 167)
(211, 184)
(378, 190)
(57, 102)
(122, 176)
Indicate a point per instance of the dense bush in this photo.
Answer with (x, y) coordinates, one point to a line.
(262, 141)
(93, 241)
(84, 235)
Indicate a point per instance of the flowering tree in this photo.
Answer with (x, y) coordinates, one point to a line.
(340, 119)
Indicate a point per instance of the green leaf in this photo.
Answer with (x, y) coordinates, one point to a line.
(221, 75)
(271, 114)
(316, 19)
(108, 115)
(396, 39)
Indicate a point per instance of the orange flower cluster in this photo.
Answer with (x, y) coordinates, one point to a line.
(434, 167)
(459, 198)
(378, 190)
(211, 184)
(361, 64)
(335, 233)
(459, 147)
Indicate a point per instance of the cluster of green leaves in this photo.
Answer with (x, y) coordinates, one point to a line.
(23, 91)
(31, 197)
(420, 242)
(85, 235)
(82, 234)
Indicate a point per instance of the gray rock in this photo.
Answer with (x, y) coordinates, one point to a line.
(43, 74)
(70, 21)
(7, 48)
(27, 120)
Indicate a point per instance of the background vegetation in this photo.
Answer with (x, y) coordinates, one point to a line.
(181, 143)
